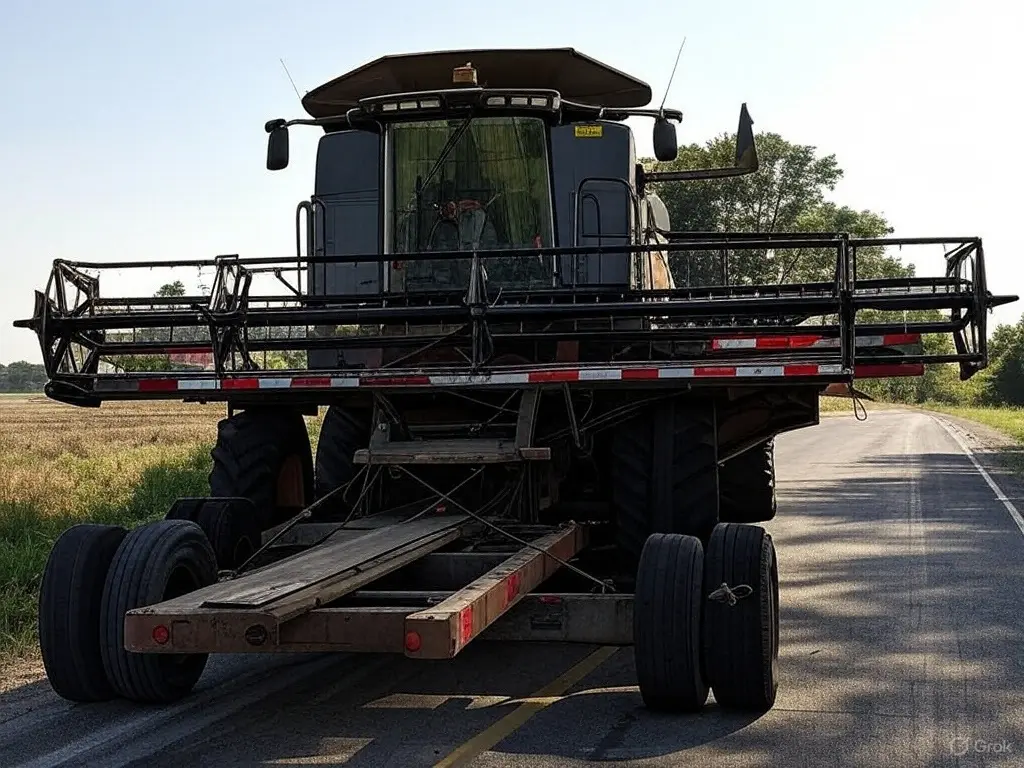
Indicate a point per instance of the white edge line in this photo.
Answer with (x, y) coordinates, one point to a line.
(984, 473)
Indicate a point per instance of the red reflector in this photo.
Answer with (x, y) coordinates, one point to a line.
(899, 339)
(240, 384)
(413, 642)
(161, 634)
(317, 381)
(803, 341)
(639, 373)
(551, 600)
(887, 370)
(465, 625)
(800, 370)
(395, 381)
(158, 385)
(774, 342)
(537, 377)
(714, 371)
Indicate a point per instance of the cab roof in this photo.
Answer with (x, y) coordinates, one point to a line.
(575, 76)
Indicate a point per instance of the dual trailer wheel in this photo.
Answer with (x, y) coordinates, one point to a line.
(97, 573)
(707, 620)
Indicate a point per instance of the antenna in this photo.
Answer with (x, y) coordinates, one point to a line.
(673, 75)
(289, 74)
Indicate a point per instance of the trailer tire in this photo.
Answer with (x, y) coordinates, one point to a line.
(70, 603)
(263, 455)
(342, 433)
(741, 640)
(233, 531)
(667, 623)
(154, 563)
(747, 486)
(664, 474)
(186, 508)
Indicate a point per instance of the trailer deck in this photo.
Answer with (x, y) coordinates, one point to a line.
(288, 605)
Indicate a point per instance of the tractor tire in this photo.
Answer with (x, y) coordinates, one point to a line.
(342, 433)
(741, 638)
(264, 456)
(664, 474)
(156, 562)
(667, 623)
(70, 601)
(747, 486)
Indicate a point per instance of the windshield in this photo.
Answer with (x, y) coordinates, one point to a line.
(473, 183)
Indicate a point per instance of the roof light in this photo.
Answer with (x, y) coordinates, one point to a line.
(430, 103)
(519, 101)
(465, 75)
(408, 105)
(495, 101)
(390, 106)
(539, 101)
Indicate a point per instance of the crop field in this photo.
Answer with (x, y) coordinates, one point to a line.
(122, 463)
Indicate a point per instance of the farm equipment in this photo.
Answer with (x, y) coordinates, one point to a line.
(548, 415)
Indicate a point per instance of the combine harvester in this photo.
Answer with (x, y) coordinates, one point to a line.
(533, 431)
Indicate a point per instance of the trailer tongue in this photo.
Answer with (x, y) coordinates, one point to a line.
(548, 416)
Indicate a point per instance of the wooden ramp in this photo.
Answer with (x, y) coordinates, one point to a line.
(255, 604)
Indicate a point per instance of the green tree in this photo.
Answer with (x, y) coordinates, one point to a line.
(177, 288)
(787, 194)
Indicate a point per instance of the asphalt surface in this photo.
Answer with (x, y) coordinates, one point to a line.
(902, 577)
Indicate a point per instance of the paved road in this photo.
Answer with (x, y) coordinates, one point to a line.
(902, 645)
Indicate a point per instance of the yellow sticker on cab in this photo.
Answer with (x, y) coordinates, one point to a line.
(589, 131)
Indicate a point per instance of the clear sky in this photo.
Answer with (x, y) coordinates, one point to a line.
(135, 130)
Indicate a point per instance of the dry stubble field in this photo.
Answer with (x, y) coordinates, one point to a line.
(123, 463)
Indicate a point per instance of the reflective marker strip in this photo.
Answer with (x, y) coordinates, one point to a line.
(556, 376)
(812, 342)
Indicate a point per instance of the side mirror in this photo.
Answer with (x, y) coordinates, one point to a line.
(277, 145)
(666, 146)
(746, 149)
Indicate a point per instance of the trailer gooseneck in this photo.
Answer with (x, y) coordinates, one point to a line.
(548, 415)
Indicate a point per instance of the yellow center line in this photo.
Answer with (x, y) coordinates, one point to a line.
(538, 700)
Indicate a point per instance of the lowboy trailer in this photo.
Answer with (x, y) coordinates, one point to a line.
(548, 415)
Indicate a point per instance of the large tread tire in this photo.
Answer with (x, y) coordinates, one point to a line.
(741, 640)
(664, 474)
(232, 529)
(70, 610)
(253, 449)
(342, 433)
(667, 623)
(154, 563)
(747, 486)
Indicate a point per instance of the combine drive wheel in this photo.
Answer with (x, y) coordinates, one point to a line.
(70, 598)
(231, 525)
(263, 455)
(664, 474)
(747, 486)
(741, 617)
(156, 562)
(343, 432)
(666, 623)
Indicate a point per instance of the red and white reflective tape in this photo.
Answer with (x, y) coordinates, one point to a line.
(812, 342)
(519, 378)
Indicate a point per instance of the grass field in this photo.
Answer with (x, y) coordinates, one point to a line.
(122, 463)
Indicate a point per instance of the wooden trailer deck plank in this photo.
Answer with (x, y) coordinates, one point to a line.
(261, 589)
(443, 630)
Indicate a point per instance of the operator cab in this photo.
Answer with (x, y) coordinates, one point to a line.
(483, 150)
